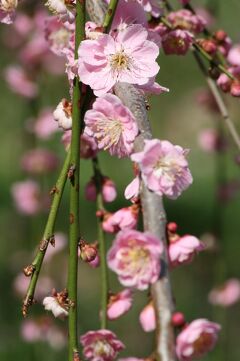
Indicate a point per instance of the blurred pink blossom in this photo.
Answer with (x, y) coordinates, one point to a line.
(44, 126)
(234, 55)
(20, 83)
(177, 42)
(210, 140)
(39, 160)
(109, 191)
(88, 145)
(227, 294)
(27, 197)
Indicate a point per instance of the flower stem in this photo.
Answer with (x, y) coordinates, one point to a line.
(102, 247)
(219, 100)
(74, 193)
(110, 15)
(47, 235)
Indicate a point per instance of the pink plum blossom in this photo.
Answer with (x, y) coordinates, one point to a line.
(38, 161)
(101, 345)
(43, 329)
(7, 11)
(58, 35)
(133, 189)
(44, 126)
(227, 294)
(135, 257)
(211, 141)
(20, 83)
(186, 20)
(124, 218)
(109, 191)
(177, 42)
(129, 57)
(112, 125)
(229, 85)
(63, 114)
(197, 339)
(183, 249)
(234, 55)
(147, 318)
(27, 197)
(64, 9)
(164, 167)
(119, 304)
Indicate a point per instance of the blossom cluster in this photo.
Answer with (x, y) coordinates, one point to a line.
(128, 54)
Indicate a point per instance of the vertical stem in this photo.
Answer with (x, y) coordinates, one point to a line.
(110, 15)
(74, 192)
(102, 247)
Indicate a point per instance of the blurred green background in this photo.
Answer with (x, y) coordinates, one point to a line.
(175, 116)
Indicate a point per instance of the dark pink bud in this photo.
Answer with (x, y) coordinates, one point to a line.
(172, 227)
(178, 319)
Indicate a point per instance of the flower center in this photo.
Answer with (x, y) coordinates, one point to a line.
(203, 343)
(168, 168)
(135, 259)
(8, 5)
(60, 38)
(102, 348)
(109, 131)
(119, 61)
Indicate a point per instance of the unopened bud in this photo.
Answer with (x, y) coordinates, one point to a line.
(220, 35)
(88, 252)
(172, 227)
(209, 46)
(235, 89)
(178, 319)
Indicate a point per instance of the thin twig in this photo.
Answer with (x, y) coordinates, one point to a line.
(74, 193)
(47, 235)
(219, 100)
(221, 67)
(102, 246)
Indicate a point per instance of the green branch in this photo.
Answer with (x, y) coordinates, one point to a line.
(74, 192)
(110, 15)
(102, 246)
(35, 268)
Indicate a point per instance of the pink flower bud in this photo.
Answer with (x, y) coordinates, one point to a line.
(147, 318)
(178, 319)
(119, 304)
(88, 252)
